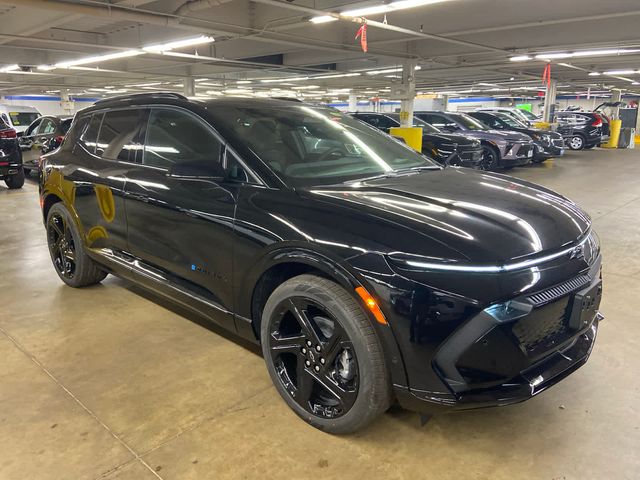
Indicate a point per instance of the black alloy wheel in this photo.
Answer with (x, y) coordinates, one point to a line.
(61, 246)
(314, 358)
(489, 158)
(72, 264)
(323, 355)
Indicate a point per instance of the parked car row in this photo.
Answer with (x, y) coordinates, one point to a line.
(498, 137)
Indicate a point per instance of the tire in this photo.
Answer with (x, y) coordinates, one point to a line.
(15, 181)
(70, 261)
(306, 319)
(490, 158)
(576, 142)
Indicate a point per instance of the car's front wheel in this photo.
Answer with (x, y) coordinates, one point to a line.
(72, 264)
(16, 180)
(490, 158)
(323, 355)
(576, 142)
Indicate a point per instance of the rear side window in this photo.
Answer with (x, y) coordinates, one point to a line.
(118, 135)
(32, 128)
(46, 127)
(89, 137)
(175, 136)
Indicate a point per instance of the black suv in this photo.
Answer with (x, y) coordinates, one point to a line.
(436, 144)
(547, 144)
(43, 135)
(582, 130)
(366, 272)
(10, 159)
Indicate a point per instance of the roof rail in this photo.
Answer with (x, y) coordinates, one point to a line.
(142, 95)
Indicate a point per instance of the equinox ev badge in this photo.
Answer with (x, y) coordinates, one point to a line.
(577, 253)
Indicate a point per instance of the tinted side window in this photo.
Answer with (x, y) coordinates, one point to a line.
(488, 120)
(175, 136)
(435, 120)
(386, 122)
(46, 127)
(33, 128)
(370, 119)
(64, 127)
(118, 133)
(89, 137)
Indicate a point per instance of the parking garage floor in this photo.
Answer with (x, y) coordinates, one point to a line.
(110, 382)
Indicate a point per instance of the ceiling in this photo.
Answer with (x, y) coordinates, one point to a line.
(460, 46)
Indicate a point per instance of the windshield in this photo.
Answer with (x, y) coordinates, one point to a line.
(528, 114)
(20, 119)
(417, 122)
(468, 122)
(312, 145)
(509, 120)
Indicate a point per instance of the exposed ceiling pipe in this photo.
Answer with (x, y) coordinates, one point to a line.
(195, 5)
(381, 25)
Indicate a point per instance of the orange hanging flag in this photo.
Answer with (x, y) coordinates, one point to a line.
(362, 33)
(546, 75)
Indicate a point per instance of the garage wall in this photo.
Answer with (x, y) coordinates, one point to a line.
(46, 105)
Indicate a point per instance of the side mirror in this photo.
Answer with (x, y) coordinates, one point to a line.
(202, 169)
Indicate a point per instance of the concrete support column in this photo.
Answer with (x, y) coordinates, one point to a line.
(408, 93)
(65, 102)
(549, 100)
(616, 96)
(189, 87)
(353, 101)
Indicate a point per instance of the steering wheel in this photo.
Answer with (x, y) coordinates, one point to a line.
(331, 152)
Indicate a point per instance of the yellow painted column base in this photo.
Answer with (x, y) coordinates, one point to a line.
(411, 135)
(542, 125)
(614, 134)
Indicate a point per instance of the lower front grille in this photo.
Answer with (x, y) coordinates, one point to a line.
(539, 331)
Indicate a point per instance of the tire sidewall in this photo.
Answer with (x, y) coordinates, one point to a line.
(581, 144)
(496, 156)
(360, 413)
(58, 208)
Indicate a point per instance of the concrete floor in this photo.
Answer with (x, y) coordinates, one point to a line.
(109, 382)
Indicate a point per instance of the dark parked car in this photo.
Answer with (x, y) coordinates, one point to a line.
(582, 130)
(547, 144)
(436, 144)
(10, 159)
(367, 272)
(501, 149)
(43, 135)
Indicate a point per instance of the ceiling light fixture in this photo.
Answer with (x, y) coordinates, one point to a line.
(9, 68)
(337, 75)
(280, 80)
(187, 42)
(94, 59)
(521, 58)
(621, 72)
(375, 10)
(244, 82)
(388, 70)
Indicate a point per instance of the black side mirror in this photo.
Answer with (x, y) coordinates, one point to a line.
(203, 169)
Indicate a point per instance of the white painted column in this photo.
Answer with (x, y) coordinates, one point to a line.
(549, 100)
(353, 101)
(66, 103)
(189, 87)
(408, 93)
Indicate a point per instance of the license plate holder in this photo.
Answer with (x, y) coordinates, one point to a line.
(585, 306)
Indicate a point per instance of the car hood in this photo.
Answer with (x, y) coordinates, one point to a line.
(455, 214)
(498, 135)
(462, 140)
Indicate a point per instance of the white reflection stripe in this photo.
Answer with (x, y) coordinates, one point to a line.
(494, 268)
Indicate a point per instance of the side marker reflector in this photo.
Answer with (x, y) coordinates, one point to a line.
(371, 304)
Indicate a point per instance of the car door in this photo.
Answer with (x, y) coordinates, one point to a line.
(94, 178)
(180, 212)
(27, 143)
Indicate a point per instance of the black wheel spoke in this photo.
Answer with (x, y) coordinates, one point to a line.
(286, 344)
(298, 308)
(336, 343)
(344, 396)
(304, 385)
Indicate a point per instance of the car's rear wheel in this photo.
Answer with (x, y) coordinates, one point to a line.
(323, 355)
(72, 264)
(16, 180)
(576, 142)
(490, 158)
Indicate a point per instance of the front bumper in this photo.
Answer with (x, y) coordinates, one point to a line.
(492, 362)
(517, 154)
(471, 158)
(555, 148)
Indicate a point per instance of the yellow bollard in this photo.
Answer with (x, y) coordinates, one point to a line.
(614, 134)
(411, 135)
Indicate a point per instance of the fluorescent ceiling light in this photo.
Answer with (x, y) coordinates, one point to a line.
(388, 70)
(244, 82)
(9, 68)
(307, 87)
(586, 53)
(187, 42)
(337, 75)
(152, 84)
(207, 84)
(94, 59)
(280, 80)
(521, 58)
(323, 19)
(594, 74)
(635, 83)
(621, 72)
